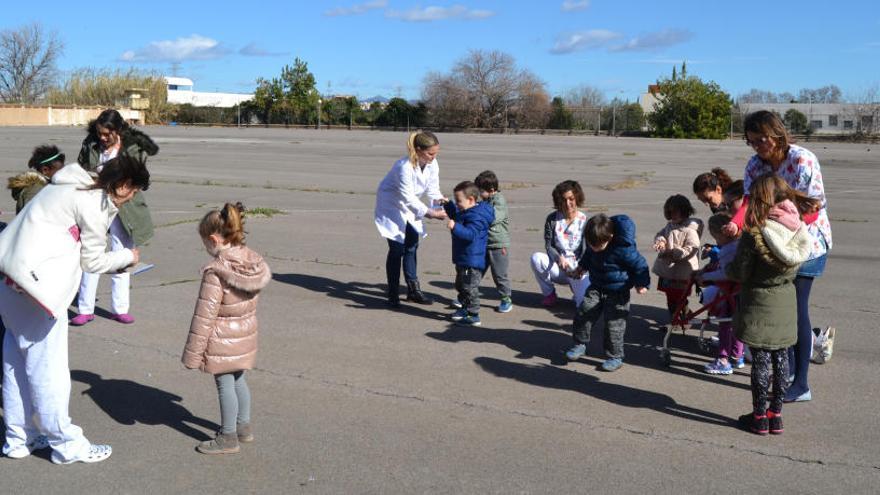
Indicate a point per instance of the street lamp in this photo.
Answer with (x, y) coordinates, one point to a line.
(318, 126)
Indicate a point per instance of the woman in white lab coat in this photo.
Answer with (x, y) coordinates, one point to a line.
(399, 212)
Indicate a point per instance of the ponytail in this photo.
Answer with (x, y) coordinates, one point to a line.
(419, 140)
(718, 177)
(227, 222)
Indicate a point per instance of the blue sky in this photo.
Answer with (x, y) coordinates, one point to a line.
(370, 47)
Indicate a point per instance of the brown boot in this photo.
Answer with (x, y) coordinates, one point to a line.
(223, 443)
(245, 432)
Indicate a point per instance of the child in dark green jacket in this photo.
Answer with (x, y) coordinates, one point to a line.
(498, 246)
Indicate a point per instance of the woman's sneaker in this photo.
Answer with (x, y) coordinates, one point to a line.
(39, 442)
(80, 320)
(716, 367)
(96, 453)
(549, 300)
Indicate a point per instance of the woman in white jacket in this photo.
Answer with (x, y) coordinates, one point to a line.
(399, 212)
(43, 251)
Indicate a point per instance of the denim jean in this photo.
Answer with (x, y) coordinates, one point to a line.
(405, 251)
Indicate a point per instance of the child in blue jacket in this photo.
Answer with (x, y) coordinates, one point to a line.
(469, 224)
(615, 267)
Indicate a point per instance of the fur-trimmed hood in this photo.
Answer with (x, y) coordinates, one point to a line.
(24, 180)
(780, 247)
(242, 268)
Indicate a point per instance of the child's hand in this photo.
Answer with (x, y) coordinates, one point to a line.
(641, 290)
(660, 245)
(730, 229)
(450, 225)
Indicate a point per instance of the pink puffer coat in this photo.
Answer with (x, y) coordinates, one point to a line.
(223, 333)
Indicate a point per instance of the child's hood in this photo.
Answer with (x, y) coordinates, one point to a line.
(624, 231)
(482, 210)
(787, 214)
(24, 180)
(242, 268)
(791, 248)
(694, 224)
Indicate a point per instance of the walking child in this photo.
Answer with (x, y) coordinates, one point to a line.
(714, 282)
(615, 267)
(774, 243)
(678, 251)
(223, 334)
(469, 224)
(498, 244)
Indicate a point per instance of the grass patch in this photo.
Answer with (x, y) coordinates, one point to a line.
(200, 205)
(629, 153)
(178, 222)
(600, 165)
(181, 281)
(532, 229)
(597, 208)
(263, 211)
(631, 182)
(510, 186)
(851, 220)
(430, 272)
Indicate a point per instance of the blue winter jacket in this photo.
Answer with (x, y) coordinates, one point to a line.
(471, 232)
(619, 266)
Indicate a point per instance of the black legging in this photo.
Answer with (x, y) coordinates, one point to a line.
(799, 355)
(766, 366)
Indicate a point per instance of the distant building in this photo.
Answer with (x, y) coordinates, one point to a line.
(827, 118)
(180, 91)
(824, 118)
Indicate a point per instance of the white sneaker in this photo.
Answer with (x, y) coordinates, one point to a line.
(39, 442)
(96, 453)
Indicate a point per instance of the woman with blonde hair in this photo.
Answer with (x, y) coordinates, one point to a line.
(399, 212)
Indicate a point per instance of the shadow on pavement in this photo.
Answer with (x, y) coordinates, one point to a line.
(129, 402)
(544, 375)
(362, 295)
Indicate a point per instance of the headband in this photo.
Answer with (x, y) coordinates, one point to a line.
(49, 160)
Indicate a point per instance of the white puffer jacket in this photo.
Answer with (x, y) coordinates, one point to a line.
(57, 235)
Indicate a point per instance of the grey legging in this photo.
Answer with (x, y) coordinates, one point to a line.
(235, 400)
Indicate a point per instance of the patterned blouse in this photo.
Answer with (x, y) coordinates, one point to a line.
(801, 171)
(569, 235)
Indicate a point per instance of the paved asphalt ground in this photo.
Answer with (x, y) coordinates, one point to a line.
(350, 397)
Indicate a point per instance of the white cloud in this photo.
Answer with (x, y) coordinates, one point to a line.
(654, 41)
(361, 8)
(194, 47)
(584, 40)
(433, 13)
(575, 5)
(253, 50)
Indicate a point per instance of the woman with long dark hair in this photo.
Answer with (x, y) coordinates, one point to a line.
(110, 136)
(43, 251)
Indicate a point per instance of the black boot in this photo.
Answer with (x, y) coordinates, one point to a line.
(393, 298)
(415, 294)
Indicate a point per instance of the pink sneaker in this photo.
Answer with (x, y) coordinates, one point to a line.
(549, 300)
(124, 318)
(80, 320)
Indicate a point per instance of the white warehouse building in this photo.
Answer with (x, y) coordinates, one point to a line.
(180, 91)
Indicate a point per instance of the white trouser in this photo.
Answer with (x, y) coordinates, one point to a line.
(548, 273)
(120, 282)
(36, 379)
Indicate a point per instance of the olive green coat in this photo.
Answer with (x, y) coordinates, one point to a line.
(135, 214)
(25, 186)
(766, 263)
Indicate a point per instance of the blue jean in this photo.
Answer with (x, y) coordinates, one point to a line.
(405, 251)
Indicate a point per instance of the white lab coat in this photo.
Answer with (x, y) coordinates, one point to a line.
(398, 200)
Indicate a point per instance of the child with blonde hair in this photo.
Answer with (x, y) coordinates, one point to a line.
(223, 333)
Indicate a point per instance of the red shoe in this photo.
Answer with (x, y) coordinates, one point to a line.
(549, 300)
(124, 318)
(80, 320)
(775, 422)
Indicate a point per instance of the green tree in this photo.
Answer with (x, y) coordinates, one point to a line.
(300, 91)
(796, 121)
(560, 115)
(399, 113)
(690, 108)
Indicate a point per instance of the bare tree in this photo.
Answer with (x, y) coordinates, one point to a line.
(28, 55)
(864, 111)
(485, 89)
(585, 103)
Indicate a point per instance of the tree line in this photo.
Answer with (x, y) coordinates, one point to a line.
(483, 89)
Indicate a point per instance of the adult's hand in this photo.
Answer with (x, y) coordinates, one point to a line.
(563, 263)
(730, 229)
(436, 214)
(137, 256)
